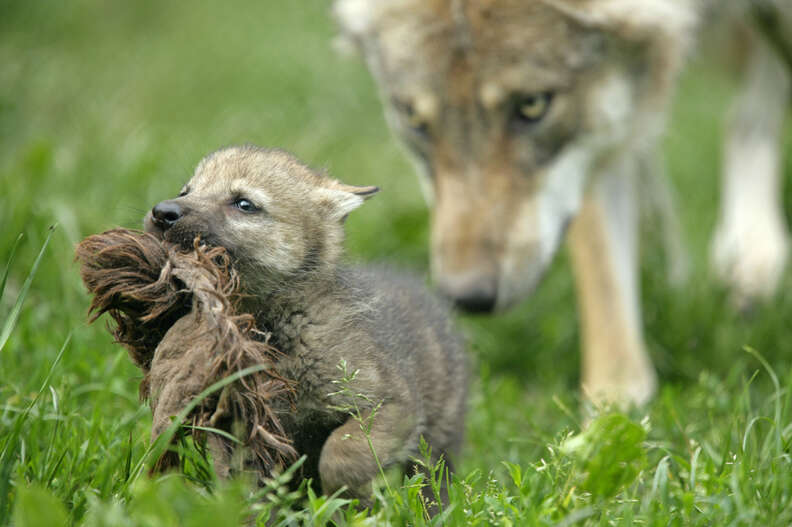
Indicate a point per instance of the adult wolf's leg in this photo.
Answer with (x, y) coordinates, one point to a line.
(603, 242)
(751, 242)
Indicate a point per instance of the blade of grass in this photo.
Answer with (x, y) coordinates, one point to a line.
(777, 402)
(23, 416)
(217, 431)
(14, 315)
(9, 445)
(128, 463)
(54, 436)
(8, 265)
(56, 466)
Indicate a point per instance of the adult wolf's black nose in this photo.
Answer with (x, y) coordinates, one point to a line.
(472, 292)
(166, 213)
(476, 302)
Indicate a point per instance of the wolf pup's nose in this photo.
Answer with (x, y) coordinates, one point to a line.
(166, 213)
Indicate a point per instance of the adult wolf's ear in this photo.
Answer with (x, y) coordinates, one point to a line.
(645, 21)
(661, 33)
(664, 29)
(356, 20)
(339, 199)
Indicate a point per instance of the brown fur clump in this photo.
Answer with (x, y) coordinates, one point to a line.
(175, 311)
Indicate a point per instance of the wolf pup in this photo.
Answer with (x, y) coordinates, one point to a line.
(282, 224)
(527, 117)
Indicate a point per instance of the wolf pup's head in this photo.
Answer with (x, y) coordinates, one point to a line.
(508, 106)
(279, 219)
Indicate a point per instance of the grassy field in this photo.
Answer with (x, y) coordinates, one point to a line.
(105, 107)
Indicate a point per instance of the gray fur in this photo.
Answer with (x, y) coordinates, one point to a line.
(384, 324)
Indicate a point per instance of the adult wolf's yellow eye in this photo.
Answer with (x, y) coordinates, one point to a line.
(412, 117)
(415, 121)
(531, 108)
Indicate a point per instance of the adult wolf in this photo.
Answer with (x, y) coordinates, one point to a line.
(526, 115)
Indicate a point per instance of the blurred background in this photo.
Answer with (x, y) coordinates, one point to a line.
(105, 109)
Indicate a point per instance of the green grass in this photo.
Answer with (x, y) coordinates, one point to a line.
(104, 110)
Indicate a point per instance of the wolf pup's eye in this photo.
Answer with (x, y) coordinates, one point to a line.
(184, 192)
(245, 205)
(531, 108)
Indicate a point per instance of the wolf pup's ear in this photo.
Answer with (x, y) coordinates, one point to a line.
(341, 199)
(363, 192)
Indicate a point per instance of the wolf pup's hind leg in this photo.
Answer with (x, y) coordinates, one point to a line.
(348, 456)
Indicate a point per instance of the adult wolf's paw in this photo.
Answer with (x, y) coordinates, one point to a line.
(617, 375)
(750, 257)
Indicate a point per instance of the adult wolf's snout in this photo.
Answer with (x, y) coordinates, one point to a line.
(166, 213)
(469, 291)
